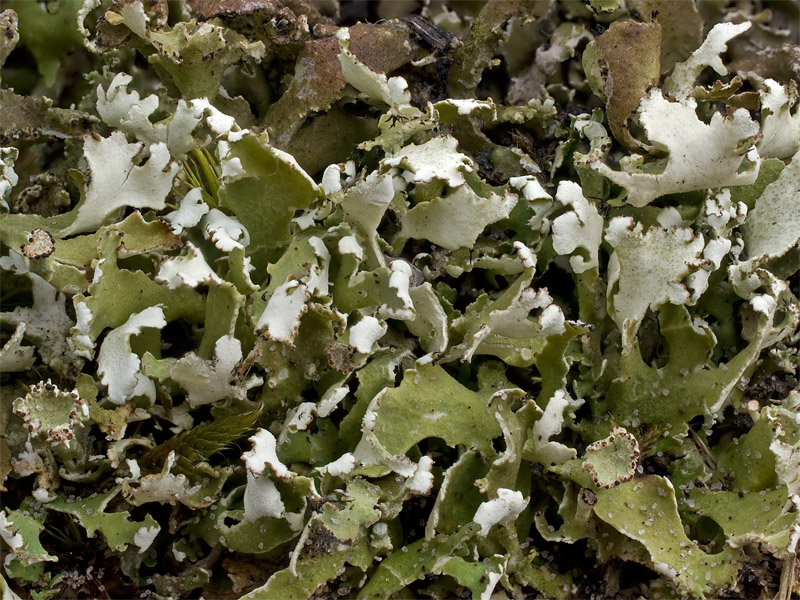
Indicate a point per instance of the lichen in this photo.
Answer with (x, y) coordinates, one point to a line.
(342, 299)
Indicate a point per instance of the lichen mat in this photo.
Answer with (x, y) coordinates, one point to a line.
(337, 299)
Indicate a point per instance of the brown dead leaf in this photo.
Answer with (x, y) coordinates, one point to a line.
(622, 65)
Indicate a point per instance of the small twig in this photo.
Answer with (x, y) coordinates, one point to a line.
(787, 578)
(248, 362)
(701, 446)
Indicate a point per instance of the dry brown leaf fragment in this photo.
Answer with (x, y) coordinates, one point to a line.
(623, 64)
(681, 27)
